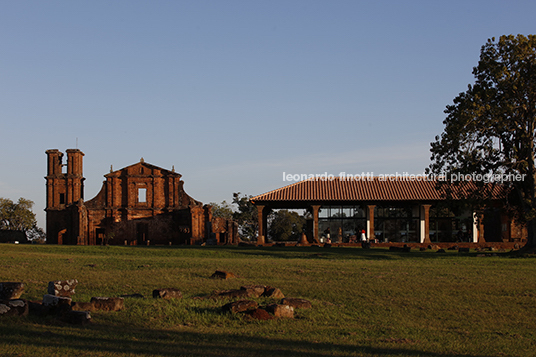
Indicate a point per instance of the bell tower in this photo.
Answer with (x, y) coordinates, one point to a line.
(74, 177)
(65, 189)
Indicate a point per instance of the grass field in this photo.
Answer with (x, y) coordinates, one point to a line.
(365, 302)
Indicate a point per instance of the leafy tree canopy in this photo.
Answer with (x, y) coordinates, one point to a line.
(490, 128)
(242, 211)
(246, 216)
(223, 210)
(18, 216)
(286, 226)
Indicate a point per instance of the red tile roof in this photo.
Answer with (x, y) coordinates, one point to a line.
(371, 189)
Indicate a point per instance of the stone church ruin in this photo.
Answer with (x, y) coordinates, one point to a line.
(140, 204)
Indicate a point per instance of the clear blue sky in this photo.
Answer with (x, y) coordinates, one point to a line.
(234, 93)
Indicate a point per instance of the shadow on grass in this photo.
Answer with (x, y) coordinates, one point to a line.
(313, 252)
(232, 251)
(114, 341)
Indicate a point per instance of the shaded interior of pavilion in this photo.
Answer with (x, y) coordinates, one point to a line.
(382, 223)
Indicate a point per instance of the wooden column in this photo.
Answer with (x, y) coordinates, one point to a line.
(263, 223)
(425, 224)
(478, 228)
(370, 223)
(316, 209)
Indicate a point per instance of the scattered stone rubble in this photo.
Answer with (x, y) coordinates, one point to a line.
(250, 291)
(58, 302)
(16, 307)
(220, 274)
(258, 314)
(10, 302)
(240, 306)
(250, 308)
(169, 293)
(108, 303)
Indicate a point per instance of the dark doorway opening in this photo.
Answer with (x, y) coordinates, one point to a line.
(100, 235)
(142, 233)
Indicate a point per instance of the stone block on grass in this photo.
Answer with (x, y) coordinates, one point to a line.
(36, 308)
(108, 303)
(53, 300)
(11, 290)
(258, 314)
(272, 292)
(221, 274)
(82, 306)
(62, 287)
(168, 293)
(55, 305)
(284, 311)
(16, 307)
(240, 306)
(254, 290)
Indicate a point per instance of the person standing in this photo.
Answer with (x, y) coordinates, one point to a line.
(364, 241)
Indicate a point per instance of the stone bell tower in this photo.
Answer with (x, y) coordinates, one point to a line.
(64, 190)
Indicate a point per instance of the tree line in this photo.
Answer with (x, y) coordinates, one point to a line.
(18, 216)
(283, 225)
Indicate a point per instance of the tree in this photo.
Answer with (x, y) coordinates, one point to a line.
(241, 211)
(19, 217)
(222, 210)
(36, 234)
(490, 130)
(246, 216)
(286, 226)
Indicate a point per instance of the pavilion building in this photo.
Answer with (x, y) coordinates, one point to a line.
(388, 210)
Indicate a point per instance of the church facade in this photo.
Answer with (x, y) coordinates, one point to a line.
(141, 204)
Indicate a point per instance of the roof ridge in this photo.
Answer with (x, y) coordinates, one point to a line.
(142, 162)
(375, 188)
(278, 189)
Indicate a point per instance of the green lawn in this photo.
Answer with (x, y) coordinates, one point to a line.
(365, 302)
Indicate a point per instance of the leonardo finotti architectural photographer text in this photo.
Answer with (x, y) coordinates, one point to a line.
(405, 176)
